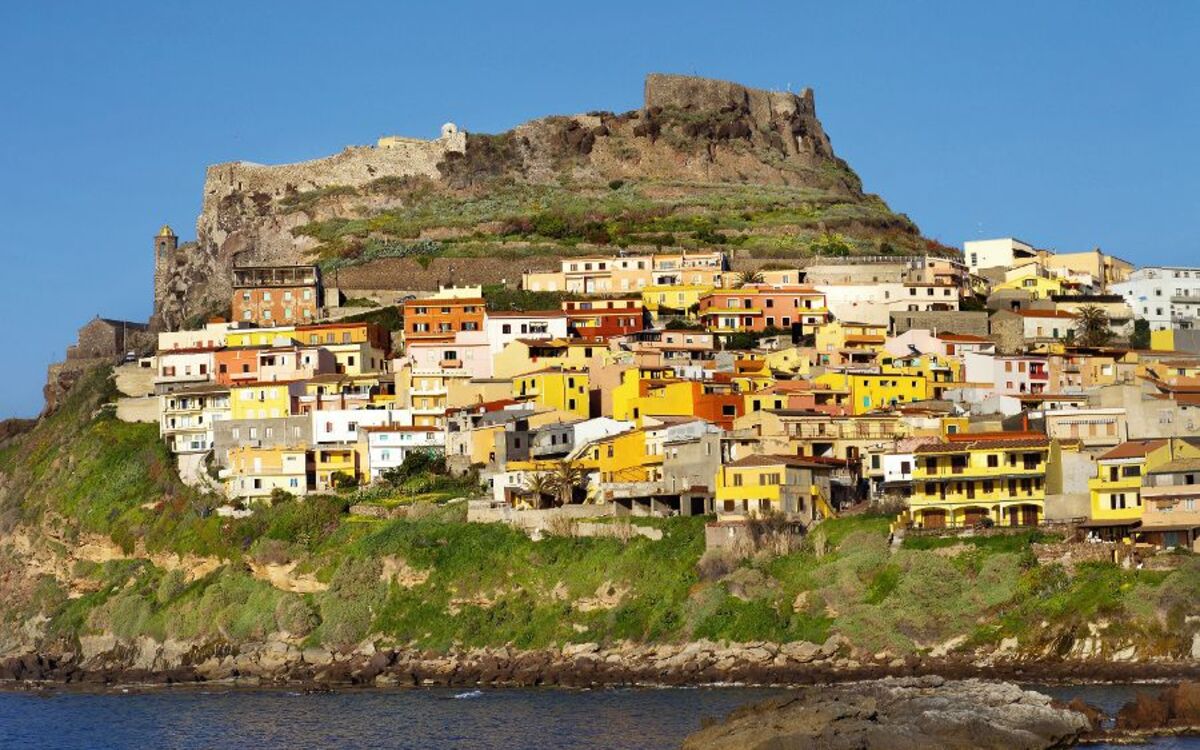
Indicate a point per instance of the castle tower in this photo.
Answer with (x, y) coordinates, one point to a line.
(165, 245)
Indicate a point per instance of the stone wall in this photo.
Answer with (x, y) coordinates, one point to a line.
(792, 116)
(971, 323)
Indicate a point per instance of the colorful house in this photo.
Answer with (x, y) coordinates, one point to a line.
(873, 391)
(758, 484)
(264, 400)
(977, 478)
(555, 388)
(756, 308)
(1116, 490)
(254, 473)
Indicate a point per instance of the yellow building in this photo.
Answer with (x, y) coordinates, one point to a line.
(1033, 279)
(792, 359)
(254, 473)
(978, 478)
(759, 484)
(337, 458)
(251, 337)
(940, 373)
(673, 301)
(525, 355)
(555, 388)
(872, 391)
(460, 392)
(1116, 500)
(264, 400)
(838, 335)
(623, 458)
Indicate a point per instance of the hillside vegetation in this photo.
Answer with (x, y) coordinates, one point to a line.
(99, 537)
(514, 220)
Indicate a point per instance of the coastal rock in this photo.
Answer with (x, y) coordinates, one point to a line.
(899, 714)
(1177, 707)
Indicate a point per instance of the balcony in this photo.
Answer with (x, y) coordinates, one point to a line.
(450, 364)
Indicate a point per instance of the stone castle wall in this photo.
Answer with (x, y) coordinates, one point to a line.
(231, 183)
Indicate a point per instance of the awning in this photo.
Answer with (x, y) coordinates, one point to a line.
(1170, 527)
(1101, 524)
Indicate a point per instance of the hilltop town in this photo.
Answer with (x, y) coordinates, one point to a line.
(655, 396)
(1006, 391)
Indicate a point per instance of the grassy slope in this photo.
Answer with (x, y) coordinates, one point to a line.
(515, 220)
(490, 585)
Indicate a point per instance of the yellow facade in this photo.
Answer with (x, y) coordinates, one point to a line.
(462, 392)
(760, 484)
(523, 356)
(263, 400)
(623, 458)
(1116, 489)
(1163, 341)
(682, 300)
(255, 473)
(957, 484)
(338, 458)
(564, 390)
(246, 337)
(792, 359)
(839, 334)
(1034, 283)
(869, 392)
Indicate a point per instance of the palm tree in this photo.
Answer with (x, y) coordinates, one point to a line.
(1093, 326)
(565, 477)
(749, 277)
(539, 485)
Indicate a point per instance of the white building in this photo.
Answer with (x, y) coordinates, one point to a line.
(186, 417)
(183, 367)
(1007, 375)
(1166, 296)
(388, 446)
(211, 336)
(503, 327)
(1005, 252)
(343, 425)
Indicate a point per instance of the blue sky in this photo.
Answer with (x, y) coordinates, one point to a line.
(1068, 124)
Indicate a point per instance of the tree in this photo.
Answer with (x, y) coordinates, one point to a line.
(1093, 326)
(539, 485)
(566, 476)
(1141, 334)
(341, 480)
(749, 277)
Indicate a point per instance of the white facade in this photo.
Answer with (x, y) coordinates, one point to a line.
(184, 366)
(1166, 296)
(211, 336)
(342, 425)
(1008, 375)
(387, 447)
(186, 419)
(1005, 252)
(898, 467)
(503, 328)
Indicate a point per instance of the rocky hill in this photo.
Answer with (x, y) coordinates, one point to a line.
(702, 163)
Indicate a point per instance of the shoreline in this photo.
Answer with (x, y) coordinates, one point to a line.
(581, 666)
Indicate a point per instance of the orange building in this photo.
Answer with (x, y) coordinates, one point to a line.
(440, 319)
(237, 365)
(755, 308)
(276, 295)
(602, 318)
(326, 334)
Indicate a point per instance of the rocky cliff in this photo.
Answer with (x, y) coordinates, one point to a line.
(703, 162)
